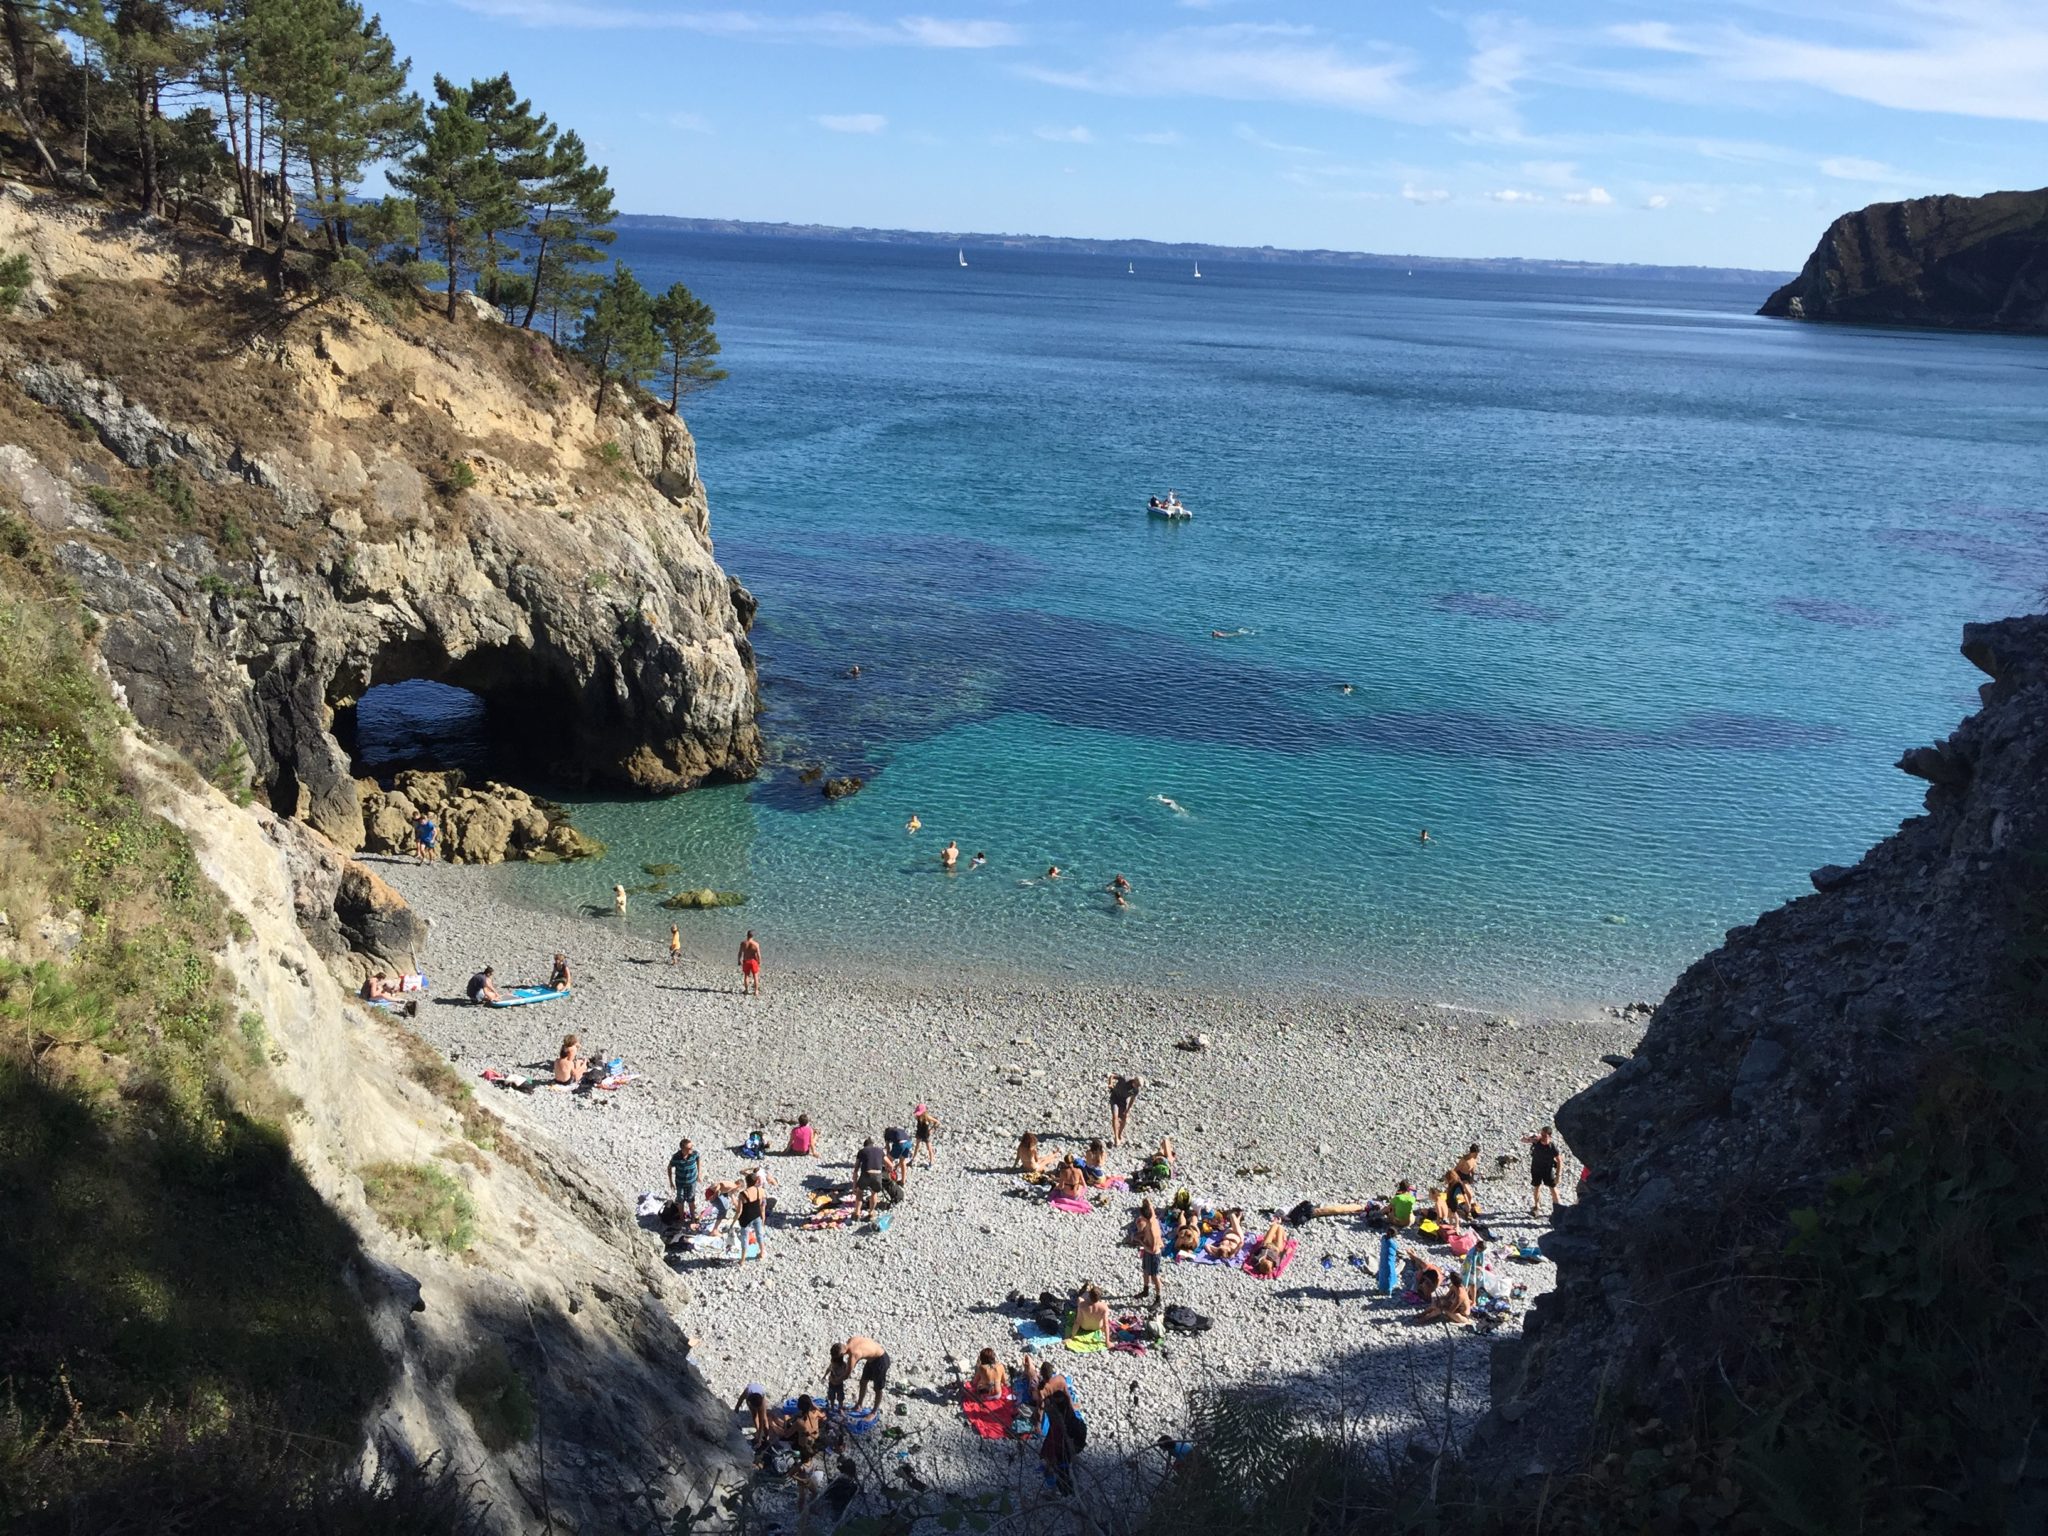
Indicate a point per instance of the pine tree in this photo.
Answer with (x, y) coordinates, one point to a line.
(461, 190)
(147, 48)
(618, 336)
(571, 226)
(684, 323)
(353, 112)
(521, 141)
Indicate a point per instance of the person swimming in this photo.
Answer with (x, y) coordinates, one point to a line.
(913, 824)
(1171, 804)
(979, 860)
(1052, 872)
(1425, 836)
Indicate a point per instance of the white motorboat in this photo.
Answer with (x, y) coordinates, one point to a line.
(1169, 507)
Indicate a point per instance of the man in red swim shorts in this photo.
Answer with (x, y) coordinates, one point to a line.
(750, 964)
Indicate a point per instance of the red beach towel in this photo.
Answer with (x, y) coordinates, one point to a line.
(990, 1416)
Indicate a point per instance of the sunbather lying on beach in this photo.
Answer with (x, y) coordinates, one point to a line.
(1030, 1159)
(1231, 1238)
(1270, 1249)
(376, 987)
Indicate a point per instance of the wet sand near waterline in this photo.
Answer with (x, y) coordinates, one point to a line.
(1323, 1097)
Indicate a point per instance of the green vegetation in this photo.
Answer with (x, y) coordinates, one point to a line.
(495, 1396)
(115, 507)
(175, 1330)
(459, 476)
(423, 1201)
(15, 276)
(684, 323)
(617, 337)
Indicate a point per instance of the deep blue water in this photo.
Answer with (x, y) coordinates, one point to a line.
(1639, 597)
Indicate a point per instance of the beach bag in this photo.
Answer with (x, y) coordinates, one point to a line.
(757, 1144)
(1184, 1319)
(1301, 1213)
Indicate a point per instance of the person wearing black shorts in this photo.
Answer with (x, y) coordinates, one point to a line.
(870, 1169)
(1123, 1093)
(1543, 1162)
(874, 1368)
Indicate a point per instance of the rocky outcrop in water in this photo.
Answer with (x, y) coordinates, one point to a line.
(1972, 263)
(1791, 1055)
(272, 514)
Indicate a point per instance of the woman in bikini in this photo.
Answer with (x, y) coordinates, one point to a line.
(1067, 1180)
(989, 1378)
(1269, 1250)
(1092, 1168)
(1231, 1242)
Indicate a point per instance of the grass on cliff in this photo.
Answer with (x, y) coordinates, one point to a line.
(175, 1332)
(421, 1201)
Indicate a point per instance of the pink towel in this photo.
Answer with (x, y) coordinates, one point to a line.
(1072, 1204)
(1286, 1258)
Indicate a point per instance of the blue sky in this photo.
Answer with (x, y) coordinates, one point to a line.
(1723, 133)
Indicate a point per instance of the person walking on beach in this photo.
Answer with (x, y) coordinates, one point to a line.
(1151, 1248)
(1543, 1161)
(925, 1125)
(423, 839)
(682, 1178)
(1123, 1093)
(873, 1361)
(675, 944)
(619, 900)
(750, 965)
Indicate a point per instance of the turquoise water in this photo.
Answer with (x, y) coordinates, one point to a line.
(1639, 597)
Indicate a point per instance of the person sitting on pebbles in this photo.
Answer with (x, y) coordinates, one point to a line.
(570, 1064)
(989, 1379)
(1092, 1169)
(559, 979)
(1030, 1161)
(1230, 1239)
(1454, 1306)
(1068, 1180)
(1091, 1312)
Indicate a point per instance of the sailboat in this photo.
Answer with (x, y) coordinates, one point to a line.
(963, 257)
(1130, 269)
(1198, 269)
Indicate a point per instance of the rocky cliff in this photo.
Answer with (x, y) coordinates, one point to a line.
(1818, 1152)
(275, 506)
(1972, 263)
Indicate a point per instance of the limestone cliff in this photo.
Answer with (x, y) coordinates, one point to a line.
(1833, 1036)
(559, 1284)
(275, 506)
(1971, 263)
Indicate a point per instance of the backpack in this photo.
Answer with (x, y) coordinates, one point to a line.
(1075, 1426)
(1186, 1319)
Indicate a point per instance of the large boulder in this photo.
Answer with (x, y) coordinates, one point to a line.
(483, 823)
(376, 920)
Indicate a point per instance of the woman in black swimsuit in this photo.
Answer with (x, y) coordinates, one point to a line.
(926, 1125)
(753, 1211)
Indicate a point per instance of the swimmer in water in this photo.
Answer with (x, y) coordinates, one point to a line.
(1425, 836)
(913, 824)
(979, 860)
(1052, 872)
(854, 670)
(950, 858)
(1117, 897)
(1343, 687)
(1171, 804)
(1118, 886)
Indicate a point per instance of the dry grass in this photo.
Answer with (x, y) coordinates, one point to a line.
(422, 1201)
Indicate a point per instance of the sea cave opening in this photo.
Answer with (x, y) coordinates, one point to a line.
(418, 723)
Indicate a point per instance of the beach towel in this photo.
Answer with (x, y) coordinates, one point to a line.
(649, 1205)
(1128, 1335)
(1088, 1343)
(1286, 1258)
(1034, 1333)
(1073, 1205)
(990, 1416)
(518, 1080)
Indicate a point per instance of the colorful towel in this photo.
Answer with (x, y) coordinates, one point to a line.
(1286, 1258)
(1073, 1205)
(990, 1416)
(1032, 1333)
(1127, 1335)
(1088, 1343)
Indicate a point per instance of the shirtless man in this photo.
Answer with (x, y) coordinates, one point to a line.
(950, 858)
(873, 1361)
(1123, 1093)
(619, 900)
(1151, 1248)
(750, 965)
(1091, 1313)
(1119, 885)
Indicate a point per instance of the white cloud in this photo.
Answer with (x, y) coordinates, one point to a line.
(937, 32)
(1252, 136)
(1592, 197)
(1074, 135)
(1656, 200)
(688, 122)
(1856, 168)
(1515, 195)
(1286, 63)
(853, 122)
(1161, 136)
(837, 28)
(1416, 194)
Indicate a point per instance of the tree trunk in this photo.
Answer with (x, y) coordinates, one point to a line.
(145, 143)
(235, 150)
(448, 239)
(540, 260)
(23, 96)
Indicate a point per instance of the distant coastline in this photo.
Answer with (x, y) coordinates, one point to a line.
(1186, 250)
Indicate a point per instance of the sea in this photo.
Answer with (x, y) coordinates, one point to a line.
(1629, 598)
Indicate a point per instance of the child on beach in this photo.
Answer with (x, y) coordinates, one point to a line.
(926, 1126)
(675, 944)
(619, 900)
(837, 1371)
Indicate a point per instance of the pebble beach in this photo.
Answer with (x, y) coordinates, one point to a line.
(1316, 1096)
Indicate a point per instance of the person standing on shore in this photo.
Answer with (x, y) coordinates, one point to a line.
(619, 900)
(423, 839)
(750, 965)
(925, 1125)
(1151, 1249)
(1543, 1163)
(675, 944)
(682, 1178)
(1123, 1093)
(873, 1361)
(753, 1213)
(870, 1168)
